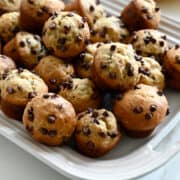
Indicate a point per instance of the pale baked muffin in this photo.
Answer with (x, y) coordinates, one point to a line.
(115, 67)
(85, 60)
(65, 34)
(82, 93)
(26, 49)
(108, 29)
(34, 13)
(54, 71)
(9, 5)
(9, 26)
(140, 14)
(172, 67)
(50, 119)
(150, 43)
(97, 132)
(19, 87)
(141, 110)
(151, 73)
(90, 9)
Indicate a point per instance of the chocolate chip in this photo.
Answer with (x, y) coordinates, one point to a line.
(94, 114)
(43, 131)
(157, 9)
(81, 25)
(59, 106)
(31, 1)
(45, 9)
(161, 43)
(96, 121)
(102, 134)
(160, 93)
(177, 46)
(153, 108)
(138, 110)
(112, 134)
(138, 58)
(91, 8)
(112, 75)
(144, 71)
(82, 55)
(144, 10)
(129, 69)
(70, 14)
(62, 41)
(164, 37)
(103, 66)
(139, 52)
(167, 112)
(149, 17)
(52, 133)
(51, 119)
(52, 26)
(86, 131)
(93, 33)
(67, 29)
(53, 81)
(30, 113)
(113, 48)
(137, 87)
(20, 70)
(90, 110)
(103, 32)
(33, 51)
(46, 96)
(22, 44)
(40, 12)
(68, 84)
(31, 95)
(148, 116)
(105, 114)
(10, 90)
(78, 38)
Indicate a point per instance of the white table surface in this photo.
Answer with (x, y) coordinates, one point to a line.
(15, 164)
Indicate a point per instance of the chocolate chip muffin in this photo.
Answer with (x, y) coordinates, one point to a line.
(34, 13)
(115, 67)
(9, 5)
(172, 67)
(9, 26)
(151, 73)
(140, 14)
(141, 110)
(82, 93)
(109, 29)
(26, 49)
(65, 34)
(150, 43)
(90, 9)
(97, 132)
(50, 119)
(54, 71)
(19, 87)
(85, 60)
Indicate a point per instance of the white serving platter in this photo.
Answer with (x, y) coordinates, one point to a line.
(130, 159)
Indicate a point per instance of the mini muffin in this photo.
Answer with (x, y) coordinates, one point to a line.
(85, 60)
(54, 71)
(9, 26)
(9, 5)
(65, 34)
(172, 67)
(6, 65)
(151, 73)
(115, 67)
(150, 43)
(90, 9)
(141, 110)
(34, 13)
(108, 29)
(140, 14)
(82, 93)
(97, 132)
(19, 87)
(50, 119)
(26, 49)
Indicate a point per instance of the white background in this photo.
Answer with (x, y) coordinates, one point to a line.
(15, 164)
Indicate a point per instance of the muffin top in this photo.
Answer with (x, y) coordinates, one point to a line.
(151, 73)
(20, 86)
(115, 64)
(108, 29)
(9, 26)
(65, 34)
(8, 6)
